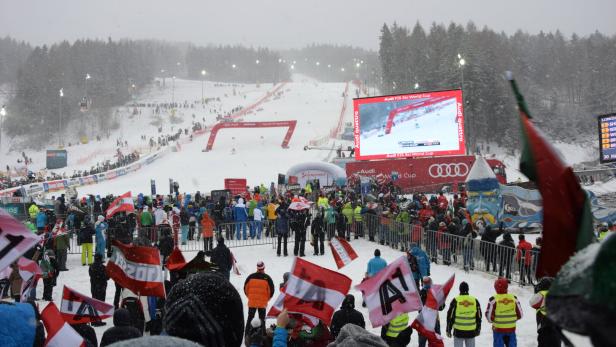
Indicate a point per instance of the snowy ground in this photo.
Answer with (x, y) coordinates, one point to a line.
(481, 285)
(438, 125)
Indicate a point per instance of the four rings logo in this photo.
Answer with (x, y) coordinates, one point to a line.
(448, 170)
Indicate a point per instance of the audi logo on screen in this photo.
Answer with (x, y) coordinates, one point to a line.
(448, 170)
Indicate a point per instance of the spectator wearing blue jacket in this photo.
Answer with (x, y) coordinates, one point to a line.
(240, 214)
(41, 220)
(100, 228)
(419, 262)
(376, 264)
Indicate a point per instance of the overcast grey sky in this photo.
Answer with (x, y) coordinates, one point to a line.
(287, 23)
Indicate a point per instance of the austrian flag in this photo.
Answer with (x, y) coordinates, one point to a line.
(124, 203)
(342, 251)
(314, 290)
(425, 322)
(59, 333)
(77, 308)
(137, 268)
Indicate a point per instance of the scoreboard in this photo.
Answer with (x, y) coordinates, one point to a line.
(607, 138)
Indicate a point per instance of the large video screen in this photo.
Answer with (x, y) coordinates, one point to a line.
(409, 125)
(607, 138)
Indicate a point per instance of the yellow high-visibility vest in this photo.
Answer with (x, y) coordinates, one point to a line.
(466, 313)
(505, 315)
(397, 325)
(543, 310)
(357, 214)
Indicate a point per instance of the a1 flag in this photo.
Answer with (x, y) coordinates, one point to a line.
(426, 320)
(15, 239)
(137, 268)
(30, 272)
(77, 308)
(124, 203)
(59, 332)
(390, 293)
(315, 290)
(342, 251)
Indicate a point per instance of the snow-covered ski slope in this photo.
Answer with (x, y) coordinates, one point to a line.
(258, 153)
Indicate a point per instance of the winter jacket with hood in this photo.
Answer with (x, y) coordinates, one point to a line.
(346, 315)
(240, 213)
(122, 329)
(423, 262)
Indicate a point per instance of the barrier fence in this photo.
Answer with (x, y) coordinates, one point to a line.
(470, 254)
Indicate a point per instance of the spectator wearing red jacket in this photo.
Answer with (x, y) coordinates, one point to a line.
(442, 202)
(524, 259)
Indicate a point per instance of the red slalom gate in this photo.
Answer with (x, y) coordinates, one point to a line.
(278, 124)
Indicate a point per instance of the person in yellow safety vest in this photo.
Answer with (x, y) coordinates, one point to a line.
(548, 334)
(357, 220)
(308, 189)
(33, 211)
(347, 212)
(603, 231)
(503, 312)
(464, 316)
(322, 201)
(397, 332)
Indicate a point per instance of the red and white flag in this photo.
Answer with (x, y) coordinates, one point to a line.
(30, 272)
(137, 268)
(77, 308)
(15, 239)
(314, 290)
(176, 260)
(342, 251)
(59, 333)
(278, 306)
(426, 320)
(124, 203)
(390, 293)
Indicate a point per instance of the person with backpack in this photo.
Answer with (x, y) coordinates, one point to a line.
(121, 330)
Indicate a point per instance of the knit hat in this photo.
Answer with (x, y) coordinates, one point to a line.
(426, 280)
(255, 322)
(260, 266)
(207, 309)
(100, 218)
(501, 285)
(159, 341)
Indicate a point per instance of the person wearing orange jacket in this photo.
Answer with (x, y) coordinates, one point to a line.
(259, 289)
(207, 227)
(523, 258)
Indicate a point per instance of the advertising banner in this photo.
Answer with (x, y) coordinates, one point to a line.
(56, 159)
(520, 208)
(409, 125)
(236, 185)
(607, 138)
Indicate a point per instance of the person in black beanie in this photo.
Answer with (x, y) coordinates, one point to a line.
(464, 316)
(207, 309)
(221, 257)
(121, 330)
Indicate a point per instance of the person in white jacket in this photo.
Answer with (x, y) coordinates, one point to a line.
(258, 220)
